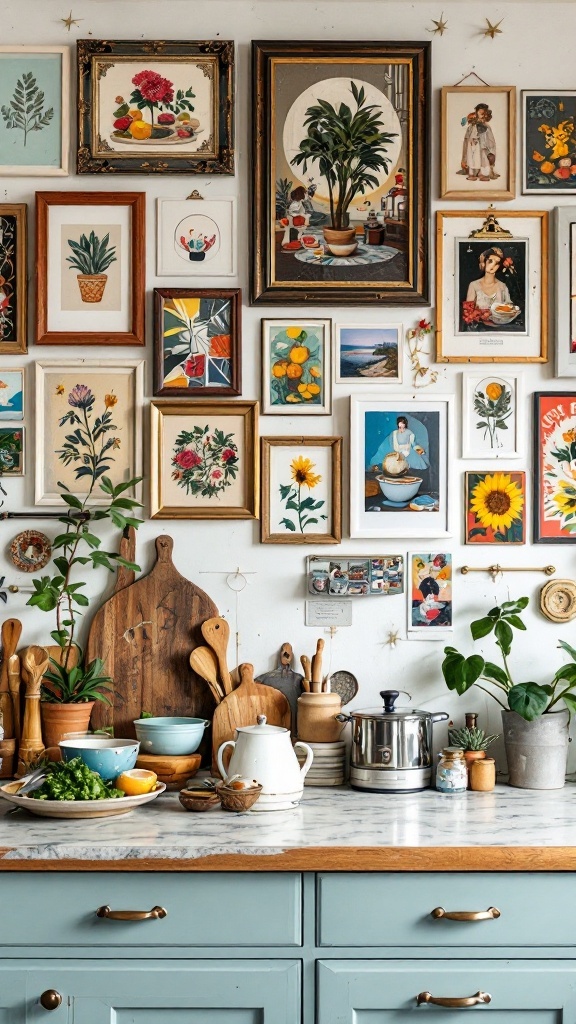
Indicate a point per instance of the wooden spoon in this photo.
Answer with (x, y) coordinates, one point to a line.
(14, 682)
(216, 633)
(34, 664)
(205, 663)
(11, 632)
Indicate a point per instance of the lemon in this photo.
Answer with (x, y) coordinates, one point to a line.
(140, 130)
(136, 781)
(295, 332)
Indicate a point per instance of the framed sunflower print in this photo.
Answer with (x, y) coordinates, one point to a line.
(301, 490)
(478, 147)
(197, 342)
(34, 120)
(13, 290)
(492, 421)
(90, 251)
(88, 425)
(554, 503)
(351, 227)
(204, 460)
(492, 286)
(495, 505)
(155, 106)
(296, 361)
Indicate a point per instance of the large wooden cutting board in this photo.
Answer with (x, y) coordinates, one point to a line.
(144, 633)
(242, 707)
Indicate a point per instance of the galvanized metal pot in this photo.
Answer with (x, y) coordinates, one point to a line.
(536, 751)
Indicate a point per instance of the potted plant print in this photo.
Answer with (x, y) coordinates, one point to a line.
(92, 256)
(306, 508)
(89, 448)
(535, 727)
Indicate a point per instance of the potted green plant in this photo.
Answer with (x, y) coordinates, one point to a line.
(71, 684)
(349, 146)
(535, 727)
(92, 256)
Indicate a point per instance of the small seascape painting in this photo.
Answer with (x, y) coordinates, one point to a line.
(197, 342)
(430, 607)
(495, 508)
(491, 411)
(11, 451)
(367, 354)
(549, 151)
(11, 394)
(296, 366)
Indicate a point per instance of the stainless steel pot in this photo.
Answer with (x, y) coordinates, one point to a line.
(391, 747)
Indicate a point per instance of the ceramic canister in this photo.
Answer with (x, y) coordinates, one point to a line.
(317, 717)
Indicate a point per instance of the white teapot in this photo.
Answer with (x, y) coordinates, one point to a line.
(265, 753)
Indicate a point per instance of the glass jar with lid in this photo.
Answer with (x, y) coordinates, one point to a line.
(451, 773)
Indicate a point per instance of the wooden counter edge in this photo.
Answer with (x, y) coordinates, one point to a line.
(362, 858)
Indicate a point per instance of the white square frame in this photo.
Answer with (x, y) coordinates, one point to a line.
(564, 221)
(368, 381)
(168, 214)
(469, 384)
(43, 170)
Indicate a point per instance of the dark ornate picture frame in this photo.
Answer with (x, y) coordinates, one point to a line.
(214, 156)
(13, 290)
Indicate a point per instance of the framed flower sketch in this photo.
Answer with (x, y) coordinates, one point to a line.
(565, 217)
(495, 505)
(554, 502)
(11, 394)
(296, 367)
(492, 421)
(478, 147)
(11, 451)
(492, 286)
(155, 106)
(196, 237)
(549, 142)
(204, 460)
(197, 342)
(350, 227)
(430, 605)
(13, 283)
(400, 450)
(76, 400)
(90, 252)
(301, 490)
(368, 353)
(34, 103)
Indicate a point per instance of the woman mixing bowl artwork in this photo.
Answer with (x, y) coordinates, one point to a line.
(403, 442)
(401, 461)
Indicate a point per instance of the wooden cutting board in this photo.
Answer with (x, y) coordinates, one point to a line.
(286, 680)
(242, 707)
(144, 634)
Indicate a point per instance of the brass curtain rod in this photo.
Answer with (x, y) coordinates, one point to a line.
(495, 570)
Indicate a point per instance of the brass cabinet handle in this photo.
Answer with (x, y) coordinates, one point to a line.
(466, 915)
(453, 1001)
(131, 915)
(50, 999)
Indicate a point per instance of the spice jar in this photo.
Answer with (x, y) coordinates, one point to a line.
(451, 773)
(482, 775)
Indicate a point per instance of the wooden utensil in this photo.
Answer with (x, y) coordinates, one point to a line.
(216, 633)
(205, 663)
(242, 707)
(144, 634)
(14, 681)
(316, 677)
(35, 661)
(11, 633)
(286, 681)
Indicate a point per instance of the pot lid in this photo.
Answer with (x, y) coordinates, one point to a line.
(261, 728)
(389, 710)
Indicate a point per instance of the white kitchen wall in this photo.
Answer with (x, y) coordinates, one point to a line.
(531, 53)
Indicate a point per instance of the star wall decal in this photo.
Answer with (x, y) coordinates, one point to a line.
(493, 30)
(69, 21)
(439, 26)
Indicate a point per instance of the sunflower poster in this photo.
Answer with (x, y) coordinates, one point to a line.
(495, 508)
(555, 467)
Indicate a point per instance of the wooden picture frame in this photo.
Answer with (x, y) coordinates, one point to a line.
(548, 141)
(495, 507)
(554, 487)
(565, 227)
(13, 278)
(492, 416)
(515, 244)
(477, 136)
(122, 218)
(296, 367)
(35, 100)
(209, 360)
(291, 258)
(184, 91)
(196, 237)
(190, 478)
(287, 468)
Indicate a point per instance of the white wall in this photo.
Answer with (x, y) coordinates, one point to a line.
(529, 54)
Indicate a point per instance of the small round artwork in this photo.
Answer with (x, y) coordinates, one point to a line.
(30, 550)
(197, 239)
(558, 600)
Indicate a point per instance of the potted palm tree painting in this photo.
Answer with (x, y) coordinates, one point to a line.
(92, 256)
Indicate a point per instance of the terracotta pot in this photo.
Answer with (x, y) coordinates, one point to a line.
(340, 236)
(92, 286)
(59, 720)
(470, 756)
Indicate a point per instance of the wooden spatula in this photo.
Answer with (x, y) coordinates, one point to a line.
(242, 707)
(11, 633)
(216, 633)
(205, 663)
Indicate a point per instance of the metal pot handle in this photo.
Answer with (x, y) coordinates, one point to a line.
(342, 717)
(440, 716)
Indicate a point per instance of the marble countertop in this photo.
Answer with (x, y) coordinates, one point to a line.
(332, 829)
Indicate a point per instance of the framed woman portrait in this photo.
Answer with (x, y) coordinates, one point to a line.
(492, 286)
(399, 456)
(478, 142)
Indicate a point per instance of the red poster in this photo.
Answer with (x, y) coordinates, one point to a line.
(555, 467)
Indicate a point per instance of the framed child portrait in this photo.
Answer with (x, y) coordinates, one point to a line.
(478, 142)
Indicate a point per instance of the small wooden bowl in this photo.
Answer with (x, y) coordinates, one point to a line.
(238, 799)
(198, 799)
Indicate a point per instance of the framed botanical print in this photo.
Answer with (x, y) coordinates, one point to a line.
(351, 227)
(301, 490)
(155, 106)
(430, 604)
(197, 342)
(296, 367)
(204, 460)
(88, 414)
(554, 502)
(492, 421)
(196, 237)
(368, 353)
(11, 394)
(11, 451)
(565, 218)
(90, 251)
(549, 142)
(495, 507)
(492, 286)
(478, 149)
(34, 103)
(13, 275)
(400, 450)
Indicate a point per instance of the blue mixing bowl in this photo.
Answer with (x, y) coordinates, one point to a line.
(102, 754)
(170, 735)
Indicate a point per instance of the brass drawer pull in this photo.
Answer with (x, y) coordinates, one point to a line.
(466, 915)
(50, 999)
(457, 1002)
(131, 915)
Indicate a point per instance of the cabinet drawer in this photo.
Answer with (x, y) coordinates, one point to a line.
(222, 909)
(396, 910)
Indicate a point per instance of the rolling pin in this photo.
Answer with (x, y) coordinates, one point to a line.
(316, 678)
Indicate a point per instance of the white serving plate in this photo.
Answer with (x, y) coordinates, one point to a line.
(77, 808)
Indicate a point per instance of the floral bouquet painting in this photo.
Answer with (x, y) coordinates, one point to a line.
(205, 462)
(155, 110)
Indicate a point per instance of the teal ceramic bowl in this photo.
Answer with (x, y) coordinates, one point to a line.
(170, 735)
(106, 756)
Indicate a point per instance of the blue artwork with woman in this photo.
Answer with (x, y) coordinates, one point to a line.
(413, 440)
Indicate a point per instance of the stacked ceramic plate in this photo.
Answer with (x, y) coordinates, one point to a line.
(329, 764)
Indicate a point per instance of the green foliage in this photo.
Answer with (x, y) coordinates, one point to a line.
(91, 255)
(25, 111)
(283, 189)
(470, 739)
(77, 685)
